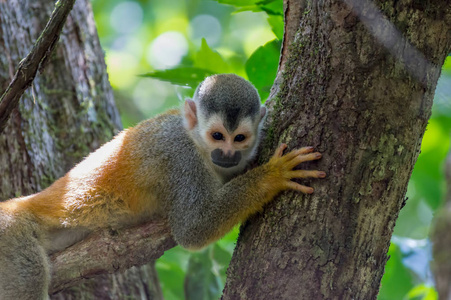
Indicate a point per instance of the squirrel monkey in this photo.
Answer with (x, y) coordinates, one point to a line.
(184, 165)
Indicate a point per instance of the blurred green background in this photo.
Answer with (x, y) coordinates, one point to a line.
(175, 44)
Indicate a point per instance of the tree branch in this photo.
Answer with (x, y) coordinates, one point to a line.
(110, 251)
(35, 60)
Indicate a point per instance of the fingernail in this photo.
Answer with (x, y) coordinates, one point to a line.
(310, 191)
(322, 174)
(318, 155)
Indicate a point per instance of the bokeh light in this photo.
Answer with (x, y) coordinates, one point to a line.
(150, 95)
(126, 17)
(205, 26)
(121, 69)
(167, 50)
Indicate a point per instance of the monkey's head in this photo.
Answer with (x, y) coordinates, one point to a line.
(224, 119)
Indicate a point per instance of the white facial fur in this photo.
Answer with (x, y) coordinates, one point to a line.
(207, 126)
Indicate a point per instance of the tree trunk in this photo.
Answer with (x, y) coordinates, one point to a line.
(360, 91)
(68, 112)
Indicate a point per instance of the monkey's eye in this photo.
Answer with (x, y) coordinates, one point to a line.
(239, 138)
(217, 136)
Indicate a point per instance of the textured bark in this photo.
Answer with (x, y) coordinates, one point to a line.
(39, 54)
(109, 252)
(441, 240)
(350, 88)
(68, 112)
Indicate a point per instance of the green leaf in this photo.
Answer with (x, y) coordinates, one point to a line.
(397, 281)
(171, 268)
(221, 259)
(276, 23)
(271, 7)
(428, 175)
(228, 241)
(200, 282)
(221, 255)
(185, 76)
(447, 65)
(423, 292)
(207, 59)
(261, 67)
(206, 62)
(238, 3)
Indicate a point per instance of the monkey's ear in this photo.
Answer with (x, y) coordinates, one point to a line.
(262, 112)
(190, 114)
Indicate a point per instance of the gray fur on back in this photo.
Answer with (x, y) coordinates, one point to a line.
(24, 258)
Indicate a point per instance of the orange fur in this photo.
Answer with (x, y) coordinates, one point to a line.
(102, 185)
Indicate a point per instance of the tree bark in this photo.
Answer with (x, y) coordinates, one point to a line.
(109, 252)
(360, 91)
(36, 59)
(441, 241)
(68, 112)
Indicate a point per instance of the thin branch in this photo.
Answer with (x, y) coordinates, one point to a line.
(108, 252)
(34, 61)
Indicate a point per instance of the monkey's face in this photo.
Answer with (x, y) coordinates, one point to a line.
(229, 148)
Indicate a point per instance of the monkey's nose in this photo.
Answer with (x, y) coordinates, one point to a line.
(228, 153)
(227, 150)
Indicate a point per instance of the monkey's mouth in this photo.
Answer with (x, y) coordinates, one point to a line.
(226, 164)
(225, 161)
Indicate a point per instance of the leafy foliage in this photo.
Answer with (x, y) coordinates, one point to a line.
(189, 76)
(261, 66)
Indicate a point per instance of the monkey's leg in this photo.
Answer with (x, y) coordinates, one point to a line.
(24, 267)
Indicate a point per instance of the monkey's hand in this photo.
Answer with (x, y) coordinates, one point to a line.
(281, 169)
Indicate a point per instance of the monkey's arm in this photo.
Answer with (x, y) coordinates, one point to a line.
(206, 212)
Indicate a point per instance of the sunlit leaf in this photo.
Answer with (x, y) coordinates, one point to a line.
(428, 174)
(207, 59)
(261, 67)
(228, 242)
(276, 23)
(185, 76)
(447, 65)
(397, 281)
(238, 3)
(271, 7)
(423, 292)
(252, 8)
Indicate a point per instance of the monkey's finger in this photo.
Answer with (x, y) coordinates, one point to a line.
(305, 150)
(280, 149)
(303, 158)
(307, 174)
(292, 154)
(299, 187)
